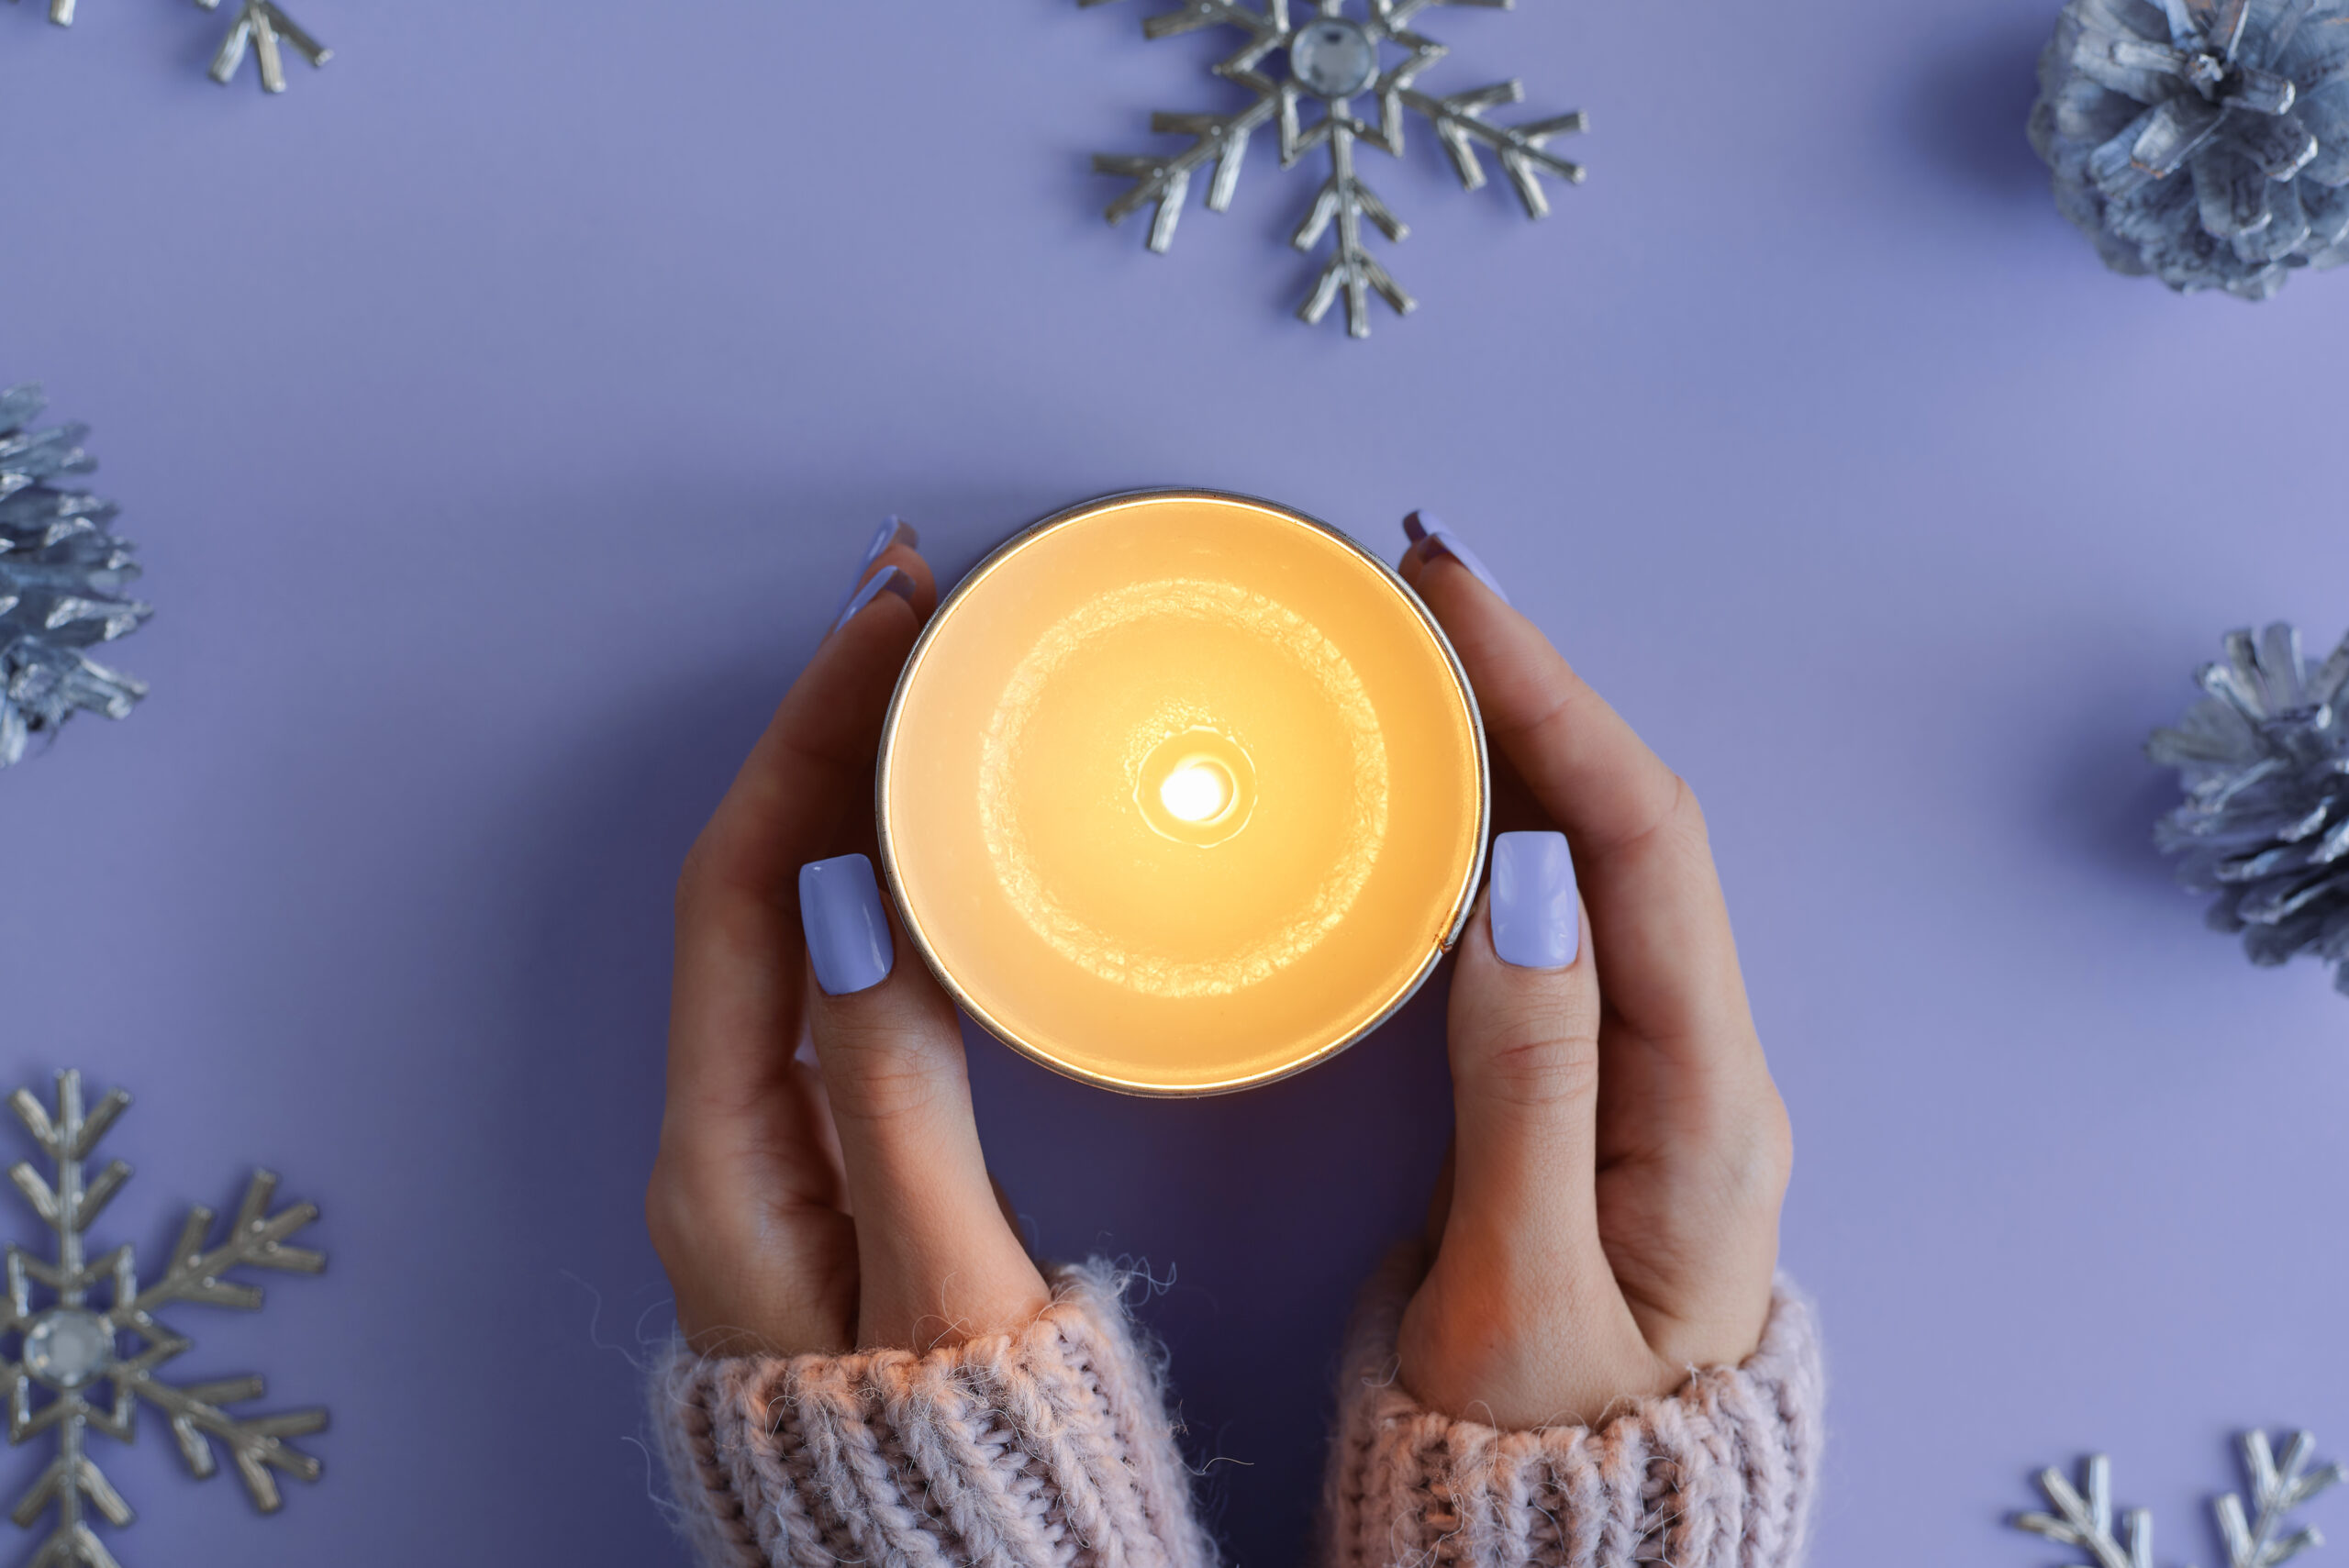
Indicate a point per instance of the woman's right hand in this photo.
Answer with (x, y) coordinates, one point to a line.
(845, 1204)
(1608, 1221)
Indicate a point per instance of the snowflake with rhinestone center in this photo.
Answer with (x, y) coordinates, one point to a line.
(68, 1348)
(1330, 58)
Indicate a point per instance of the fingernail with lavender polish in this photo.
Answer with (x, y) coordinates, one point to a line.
(1440, 540)
(848, 936)
(1536, 922)
(889, 579)
(893, 530)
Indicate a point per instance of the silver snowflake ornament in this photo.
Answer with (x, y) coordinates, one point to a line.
(2083, 1516)
(259, 26)
(1304, 70)
(262, 25)
(80, 1367)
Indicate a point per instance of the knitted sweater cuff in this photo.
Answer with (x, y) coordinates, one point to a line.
(1718, 1475)
(1047, 1446)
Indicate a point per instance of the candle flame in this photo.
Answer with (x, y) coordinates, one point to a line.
(1196, 791)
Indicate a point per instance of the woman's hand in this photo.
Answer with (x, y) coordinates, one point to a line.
(844, 1206)
(1608, 1219)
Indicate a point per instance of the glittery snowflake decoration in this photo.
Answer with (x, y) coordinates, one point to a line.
(2204, 142)
(67, 1348)
(262, 25)
(61, 581)
(2083, 1516)
(2264, 824)
(259, 26)
(1325, 60)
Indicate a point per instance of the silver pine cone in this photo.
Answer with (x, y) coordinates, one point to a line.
(61, 581)
(2264, 761)
(2207, 143)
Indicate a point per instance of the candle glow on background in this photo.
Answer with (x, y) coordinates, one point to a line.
(1142, 786)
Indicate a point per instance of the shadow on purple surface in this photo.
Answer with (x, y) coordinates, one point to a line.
(588, 866)
(1967, 109)
(2107, 798)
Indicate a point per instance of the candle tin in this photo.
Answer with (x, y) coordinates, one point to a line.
(1182, 792)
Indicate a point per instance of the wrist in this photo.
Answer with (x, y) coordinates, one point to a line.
(1521, 1362)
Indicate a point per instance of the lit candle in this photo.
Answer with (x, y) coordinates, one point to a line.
(1182, 792)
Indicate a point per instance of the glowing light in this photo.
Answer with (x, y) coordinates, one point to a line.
(1196, 791)
(1143, 785)
(1255, 903)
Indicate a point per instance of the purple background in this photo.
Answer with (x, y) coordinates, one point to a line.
(500, 409)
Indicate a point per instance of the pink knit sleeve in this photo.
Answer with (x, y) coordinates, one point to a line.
(1047, 1448)
(1718, 1475)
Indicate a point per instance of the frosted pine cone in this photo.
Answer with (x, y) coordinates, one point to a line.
(62, 576)
(2206, 144)
(2265, 759)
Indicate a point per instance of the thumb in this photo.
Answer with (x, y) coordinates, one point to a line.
(1524, 1045)
(936, 1261)
(1521, 1318)
(1524, 1017)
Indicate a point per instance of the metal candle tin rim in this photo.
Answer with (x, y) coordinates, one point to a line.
(1462, 900)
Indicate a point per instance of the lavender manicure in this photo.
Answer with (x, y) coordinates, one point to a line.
(889, 579)
(1441, 541)
(893, 530)
(848, 936)
(1537, 924)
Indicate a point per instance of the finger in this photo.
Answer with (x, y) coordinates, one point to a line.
(746, 1200)
(735, 1016)
(1524, 1045)
(937, 1259)
(896, 576)
(1527, 1323)
(894, 535)
(1639, 838)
